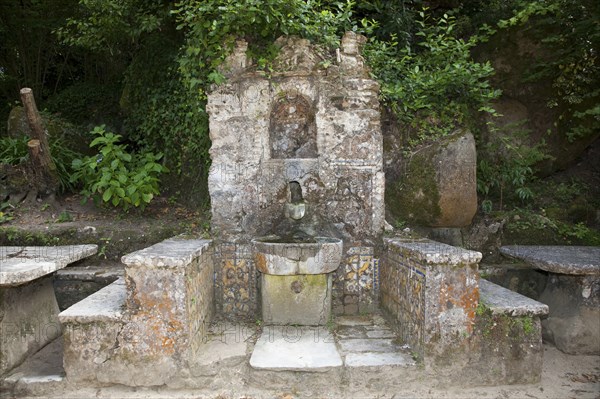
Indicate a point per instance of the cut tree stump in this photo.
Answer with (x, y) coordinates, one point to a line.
(44, 170)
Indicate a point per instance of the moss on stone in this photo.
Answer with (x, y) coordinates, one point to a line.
(415, 198)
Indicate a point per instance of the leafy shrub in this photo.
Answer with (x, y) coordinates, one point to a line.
(5, 212)
(116, 177)
(505, 164)
(83, 102)
(528, 223)
(434, 85)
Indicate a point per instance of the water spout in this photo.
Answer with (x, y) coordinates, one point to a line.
(296, 208)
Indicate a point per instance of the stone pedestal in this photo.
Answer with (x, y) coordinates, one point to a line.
(28, 321)
(572, 292)
(574, 321)
(303, 299)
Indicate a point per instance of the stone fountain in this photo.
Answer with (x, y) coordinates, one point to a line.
(296, 183)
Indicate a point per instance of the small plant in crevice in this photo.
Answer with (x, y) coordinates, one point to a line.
(116, 177)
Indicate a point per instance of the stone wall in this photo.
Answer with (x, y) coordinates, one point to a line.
(315, 122)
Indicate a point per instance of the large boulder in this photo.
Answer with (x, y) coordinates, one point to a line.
(437, 185)
(17, 125)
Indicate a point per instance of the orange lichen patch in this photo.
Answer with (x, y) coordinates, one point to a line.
(261, 262)
(163, 331)
(464, 297)
(470, 300)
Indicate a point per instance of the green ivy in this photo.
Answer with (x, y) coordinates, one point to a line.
(116, 177)
(212, 26)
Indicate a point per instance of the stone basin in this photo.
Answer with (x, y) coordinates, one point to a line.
(282, 257)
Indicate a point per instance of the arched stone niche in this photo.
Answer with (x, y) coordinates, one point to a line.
(292, 128)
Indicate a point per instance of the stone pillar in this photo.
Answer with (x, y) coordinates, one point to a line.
(169, 307)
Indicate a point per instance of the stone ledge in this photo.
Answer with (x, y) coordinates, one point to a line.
(20, 265)
(171, 253)
(433, 252)
(557, 258)
(105, 305)
(504, 301)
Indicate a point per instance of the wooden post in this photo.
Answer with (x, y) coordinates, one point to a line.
(42, 165)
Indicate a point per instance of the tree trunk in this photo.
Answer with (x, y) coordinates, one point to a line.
(42, 165)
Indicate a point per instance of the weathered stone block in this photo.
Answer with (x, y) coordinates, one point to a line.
(506, 345)
(158, 318)
(437, 186)
(301, 299)
(169, 306)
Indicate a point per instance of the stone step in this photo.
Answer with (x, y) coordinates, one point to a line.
(91, 328)
(367, 341)
(41, 373)
(295, 348)
(356, 341)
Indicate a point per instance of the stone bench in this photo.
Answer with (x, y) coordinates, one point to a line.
(145, 331)
(572, 293)
(91, 329)
(28, 307)
(509, 335)
(462, 327)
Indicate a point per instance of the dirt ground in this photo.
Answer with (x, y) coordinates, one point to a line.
(564, 377)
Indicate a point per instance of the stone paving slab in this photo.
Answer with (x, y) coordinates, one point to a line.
(20, 265)
(368, 345)
(557, 258)
(504, 301)
(295, 349)
(373, 359)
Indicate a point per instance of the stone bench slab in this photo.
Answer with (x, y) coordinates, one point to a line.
(171, 253)
(504, 301)
(106, 304)
(20, 265)
(433, 252)
(557, 258)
